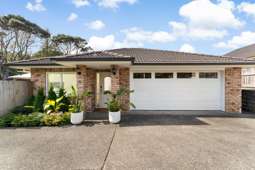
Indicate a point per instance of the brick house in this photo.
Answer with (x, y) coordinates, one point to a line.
(162, 80)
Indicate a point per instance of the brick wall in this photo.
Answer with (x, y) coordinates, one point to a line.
(86, 81)
(38, 76)
(121, 79)
(233, 89)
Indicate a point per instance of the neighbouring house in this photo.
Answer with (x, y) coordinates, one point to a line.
(162, 80)
(248, 74)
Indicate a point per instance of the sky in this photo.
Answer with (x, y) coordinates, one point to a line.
(200, 26)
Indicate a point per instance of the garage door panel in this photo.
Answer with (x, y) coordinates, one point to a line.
(177, 94)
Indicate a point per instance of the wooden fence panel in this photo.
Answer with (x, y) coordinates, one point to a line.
(13, 93)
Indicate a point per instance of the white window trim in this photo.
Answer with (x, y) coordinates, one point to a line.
(61, 77)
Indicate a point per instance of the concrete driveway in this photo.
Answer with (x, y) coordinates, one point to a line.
(144, 140)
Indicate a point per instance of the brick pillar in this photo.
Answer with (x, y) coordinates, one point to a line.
(90, 85)
(121, 79)
(38, 79)
(86, 80)
(115, 79)
(233, 89)
(124, 82)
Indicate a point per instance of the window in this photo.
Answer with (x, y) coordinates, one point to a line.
(164, 75)
(142, 75)
(59, 80)
(185, 75)
(208, 75)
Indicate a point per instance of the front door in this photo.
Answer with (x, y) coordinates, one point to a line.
(101, 95)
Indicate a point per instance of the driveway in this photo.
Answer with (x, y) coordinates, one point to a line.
(144, 140)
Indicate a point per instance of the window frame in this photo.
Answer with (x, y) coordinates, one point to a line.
(217, 75)
(61, 77)
(160, 78)
(144, 77)
(192, 77)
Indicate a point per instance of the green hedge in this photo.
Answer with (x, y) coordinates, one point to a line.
(34, 119)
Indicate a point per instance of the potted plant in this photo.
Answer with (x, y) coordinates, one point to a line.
(114, 105)
(76, 107)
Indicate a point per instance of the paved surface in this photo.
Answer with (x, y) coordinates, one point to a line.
(173, 140)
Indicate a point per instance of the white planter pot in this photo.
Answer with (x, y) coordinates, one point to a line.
(114, 117)
(76, 118)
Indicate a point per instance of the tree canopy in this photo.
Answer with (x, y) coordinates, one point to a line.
(70, 44)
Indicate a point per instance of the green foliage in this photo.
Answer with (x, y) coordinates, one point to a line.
(51, 94)
(114, 102)
(39, 100)
(54, 106)
(76, 100)
(23, 110)
(66, 102)
(67, 44)
(47, 52)
(57, 102)
(18, 36)
(56, 119)
(16, 22)
(113, 106)
(5, 121)
(33, 119)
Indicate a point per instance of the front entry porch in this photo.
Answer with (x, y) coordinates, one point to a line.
(98, 81)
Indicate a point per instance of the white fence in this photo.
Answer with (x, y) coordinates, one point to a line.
(13, 93)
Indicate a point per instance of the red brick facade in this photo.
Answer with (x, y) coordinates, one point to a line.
(38, 76)
(86, 81)
(233, 98)
(121, 79)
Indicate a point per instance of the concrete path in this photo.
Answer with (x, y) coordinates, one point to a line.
(142, 141)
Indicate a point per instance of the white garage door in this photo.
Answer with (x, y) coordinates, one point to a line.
(177, 90)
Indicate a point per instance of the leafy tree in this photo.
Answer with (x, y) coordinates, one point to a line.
(70, 44)
(17, 37)
(47, 50)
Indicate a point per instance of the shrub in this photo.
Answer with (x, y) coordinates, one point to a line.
(33, 119)
(51, 94)
(5, 121)
(66, 102)
(39, 101)
(113, 106)
(56, 119)
(23, 110)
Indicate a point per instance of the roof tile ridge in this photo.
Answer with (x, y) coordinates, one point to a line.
(116, 54)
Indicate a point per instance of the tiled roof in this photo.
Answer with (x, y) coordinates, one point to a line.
(35, 62)
(140, 56)
(151, 56)
(244, 52)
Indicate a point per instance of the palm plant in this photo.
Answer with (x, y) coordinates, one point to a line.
(76, 100)
(54, 106)
(114, 102)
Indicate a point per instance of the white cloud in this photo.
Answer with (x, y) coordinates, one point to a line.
(114, 3)
(109, 42)
(37, 6)
(187, 48)
(96, 25)
(205, 19)
(140, 36)
(205, 14)
(80, 3)
(245, 38)
(227, 4)
(178, 28)
(248, 8)
(72, 17)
